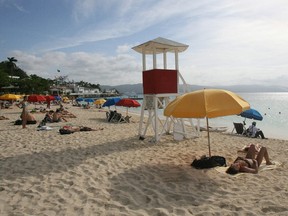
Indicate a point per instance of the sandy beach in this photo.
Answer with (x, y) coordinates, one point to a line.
(112, 172)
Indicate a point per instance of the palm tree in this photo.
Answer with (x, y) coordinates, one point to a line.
(12, 65)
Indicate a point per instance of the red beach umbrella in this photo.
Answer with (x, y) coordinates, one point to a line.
(128, 102)
(36, 98)
(50, 97)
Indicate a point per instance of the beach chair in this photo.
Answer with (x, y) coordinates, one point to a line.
(119, 118)
(116, 117)
(239, 128)
(111, 115)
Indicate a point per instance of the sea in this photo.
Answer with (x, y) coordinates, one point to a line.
(273, 106)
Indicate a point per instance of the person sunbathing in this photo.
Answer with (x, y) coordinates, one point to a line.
(49, 116)
(72, 129)
(246, 148)
(65, 113)
(251, 162)
(29, 119)
(57, 116)
(68, 114)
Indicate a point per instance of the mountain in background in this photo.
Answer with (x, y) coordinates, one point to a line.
(134, 89)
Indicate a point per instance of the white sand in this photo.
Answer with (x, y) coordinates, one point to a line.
(112, 172)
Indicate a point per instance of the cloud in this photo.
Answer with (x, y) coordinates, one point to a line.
(239, 43)
(122, 18)
(90, 67)
(230, 42)
(20, 8)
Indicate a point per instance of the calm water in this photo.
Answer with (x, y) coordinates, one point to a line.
(272, 106)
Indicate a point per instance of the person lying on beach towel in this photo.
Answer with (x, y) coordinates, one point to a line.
(72, 129)
(251, 162)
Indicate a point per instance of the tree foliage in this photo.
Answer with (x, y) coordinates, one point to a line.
(30, 84)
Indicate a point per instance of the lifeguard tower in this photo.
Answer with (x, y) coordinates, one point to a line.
(159, 85)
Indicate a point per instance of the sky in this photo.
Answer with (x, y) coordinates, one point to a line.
(230, 42)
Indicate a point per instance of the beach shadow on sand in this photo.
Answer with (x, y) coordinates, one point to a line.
(165, 186)
(36, 164)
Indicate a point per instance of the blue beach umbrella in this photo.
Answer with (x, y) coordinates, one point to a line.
(111, 102)
(58, 98)
(252, 114)
(79, 99)
(89, 100)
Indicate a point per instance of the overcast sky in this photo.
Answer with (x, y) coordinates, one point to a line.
(230, 42)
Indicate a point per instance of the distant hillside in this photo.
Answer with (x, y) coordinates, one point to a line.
(138, 89)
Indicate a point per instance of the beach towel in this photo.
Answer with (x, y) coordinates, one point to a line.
(44, 128)
(19, 122)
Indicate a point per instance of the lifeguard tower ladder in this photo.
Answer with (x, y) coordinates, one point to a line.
(159, 85)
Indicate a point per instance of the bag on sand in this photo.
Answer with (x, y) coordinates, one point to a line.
(18, 122)
(209, 162)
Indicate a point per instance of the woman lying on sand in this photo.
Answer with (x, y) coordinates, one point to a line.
(65, 113)
(249, 164)
(72, 129)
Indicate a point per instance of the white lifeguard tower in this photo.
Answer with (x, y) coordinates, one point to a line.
(159, 85)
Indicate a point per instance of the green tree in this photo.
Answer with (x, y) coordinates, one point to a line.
(34, 84)
(11, 64)
(4, 78)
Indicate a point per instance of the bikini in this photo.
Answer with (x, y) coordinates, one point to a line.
(249, 165)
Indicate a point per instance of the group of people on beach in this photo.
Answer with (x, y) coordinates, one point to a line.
(248, 164)
(50, 116)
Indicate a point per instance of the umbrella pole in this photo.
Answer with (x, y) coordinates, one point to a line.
(208, 133)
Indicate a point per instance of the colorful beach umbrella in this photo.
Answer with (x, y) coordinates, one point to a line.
(111, 102)
(89, 100)
(252, 114)
(50, 97)
(58, 98)
(100, 101)
(36, 98)
(79, 99)
(207, 103)
(128, 102)
(10, 97)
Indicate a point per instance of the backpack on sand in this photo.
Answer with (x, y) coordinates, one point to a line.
(209, 162)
